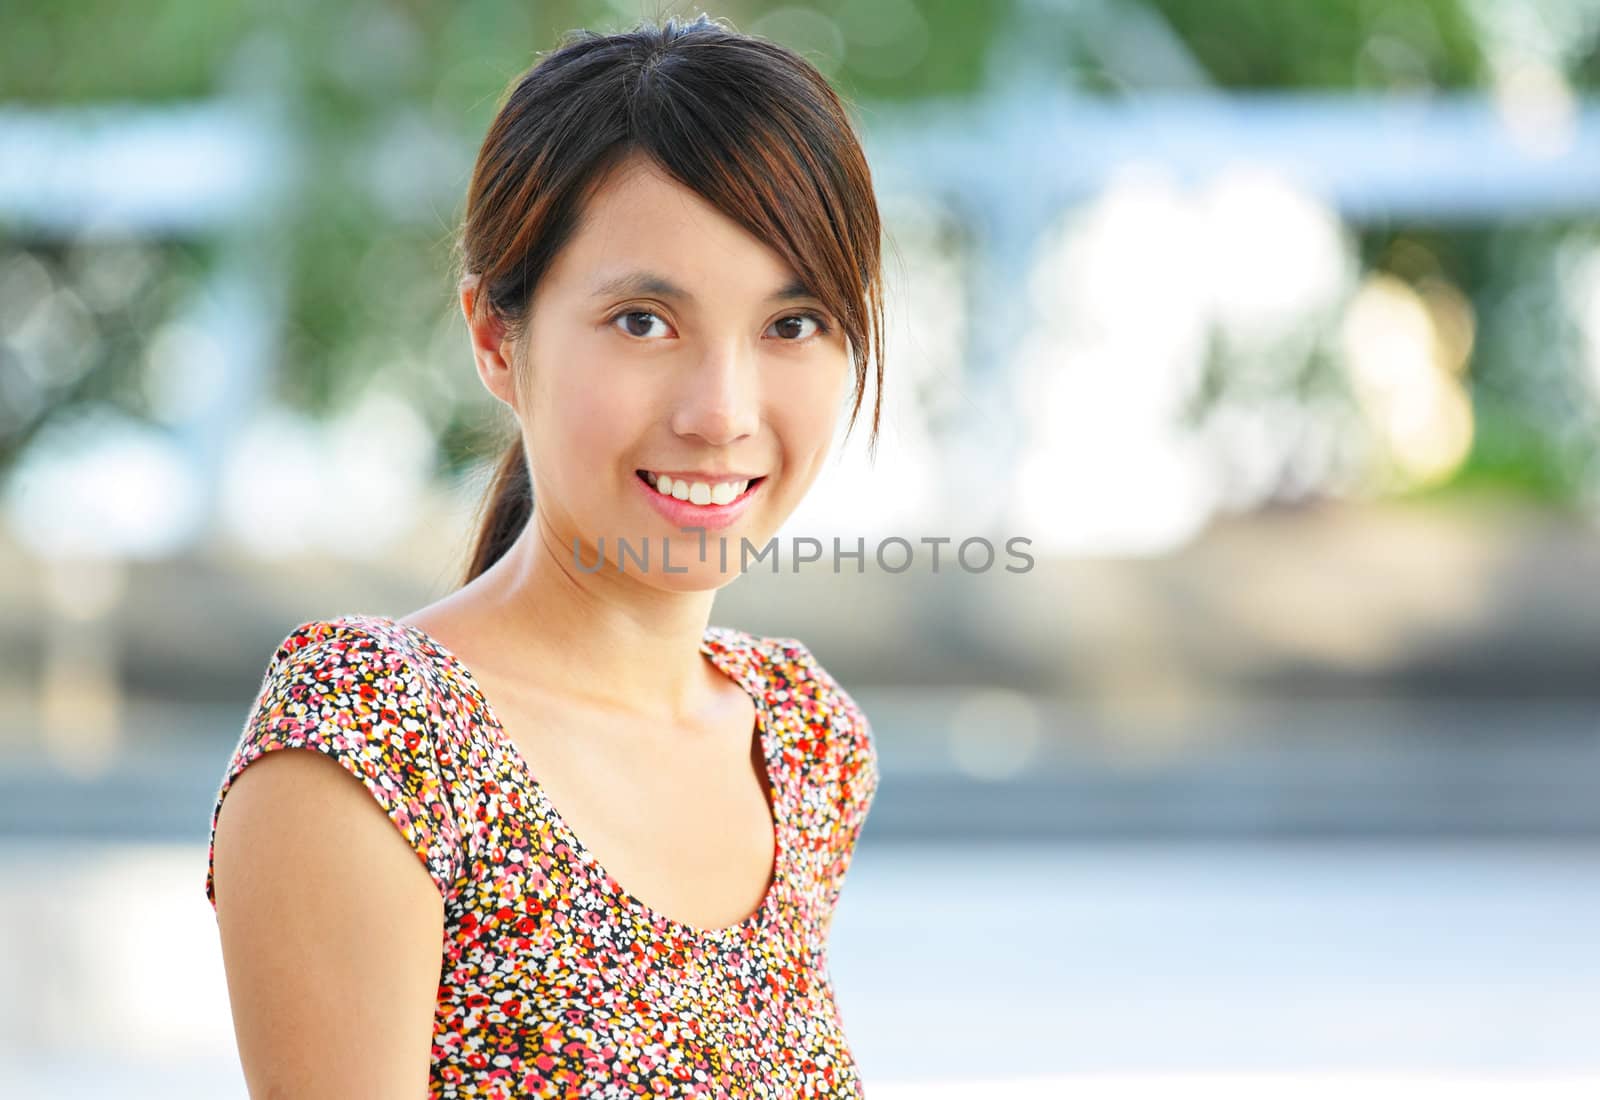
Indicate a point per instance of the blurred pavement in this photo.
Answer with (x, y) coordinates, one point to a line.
(1105, 970)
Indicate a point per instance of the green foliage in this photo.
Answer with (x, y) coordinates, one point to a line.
(87, 51)
(1366, 44)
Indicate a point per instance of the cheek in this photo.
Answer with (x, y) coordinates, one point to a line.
(580, 425)
(804, 418)
(812, 398)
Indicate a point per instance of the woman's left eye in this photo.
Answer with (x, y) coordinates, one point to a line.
(794, 320)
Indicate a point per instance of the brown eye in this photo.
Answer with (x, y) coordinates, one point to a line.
(792, 328)
(637, 322)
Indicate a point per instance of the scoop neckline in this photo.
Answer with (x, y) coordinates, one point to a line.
(772, 757)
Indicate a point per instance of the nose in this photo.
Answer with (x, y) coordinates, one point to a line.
(720, 401)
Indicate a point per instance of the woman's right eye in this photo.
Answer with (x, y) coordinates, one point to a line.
(637, 322)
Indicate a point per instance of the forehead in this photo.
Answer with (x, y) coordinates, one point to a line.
(639, 217)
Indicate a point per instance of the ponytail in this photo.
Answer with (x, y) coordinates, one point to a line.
(505, 510)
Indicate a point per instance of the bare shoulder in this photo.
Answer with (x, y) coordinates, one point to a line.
(331, 932)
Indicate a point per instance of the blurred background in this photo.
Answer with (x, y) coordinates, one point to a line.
(1274, 326)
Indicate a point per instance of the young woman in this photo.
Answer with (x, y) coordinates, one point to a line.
(596, 843)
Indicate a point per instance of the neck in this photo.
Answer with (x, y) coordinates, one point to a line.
(605, 636)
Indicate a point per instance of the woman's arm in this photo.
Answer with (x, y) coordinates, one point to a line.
(332, 935)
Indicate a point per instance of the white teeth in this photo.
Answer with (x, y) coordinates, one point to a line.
(697, 492)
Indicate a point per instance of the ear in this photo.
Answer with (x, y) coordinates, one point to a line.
(491, 350)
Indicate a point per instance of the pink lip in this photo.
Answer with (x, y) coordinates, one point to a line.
(681, 513)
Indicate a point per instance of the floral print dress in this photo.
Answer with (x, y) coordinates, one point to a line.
(554, 981)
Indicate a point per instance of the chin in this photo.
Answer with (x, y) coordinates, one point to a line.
(672, 562)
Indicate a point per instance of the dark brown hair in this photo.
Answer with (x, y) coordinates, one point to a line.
(747, 124)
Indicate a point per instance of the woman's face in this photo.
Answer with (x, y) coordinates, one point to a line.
(667, 345)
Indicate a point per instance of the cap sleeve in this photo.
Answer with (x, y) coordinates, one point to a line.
(361, 701)
(851, 754)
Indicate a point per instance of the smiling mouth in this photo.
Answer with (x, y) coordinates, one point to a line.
(699, 493)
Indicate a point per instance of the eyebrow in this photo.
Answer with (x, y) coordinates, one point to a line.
(647, 282)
